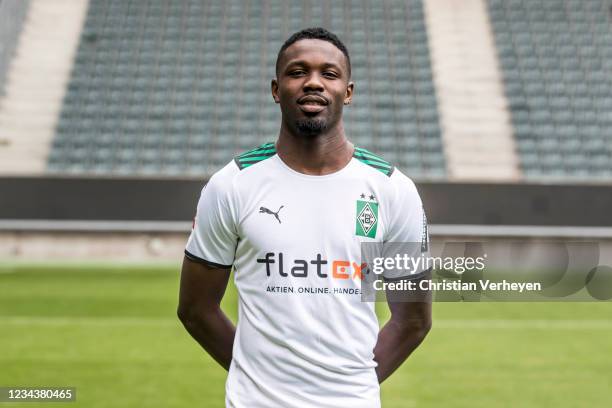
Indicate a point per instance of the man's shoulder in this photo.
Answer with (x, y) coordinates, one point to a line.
(225, 178)
(374, 161)
(384, 172)
(255, 156)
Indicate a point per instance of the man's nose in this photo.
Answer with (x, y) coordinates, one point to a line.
(313, 83)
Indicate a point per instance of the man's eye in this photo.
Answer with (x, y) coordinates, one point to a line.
(330, 74)
(296, 73)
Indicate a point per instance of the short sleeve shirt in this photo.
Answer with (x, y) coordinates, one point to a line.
(304, 336)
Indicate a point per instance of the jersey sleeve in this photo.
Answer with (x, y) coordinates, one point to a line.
(214, 238)
(407, 233)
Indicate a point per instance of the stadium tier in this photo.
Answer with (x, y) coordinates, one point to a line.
(178, 88)
(556, 57)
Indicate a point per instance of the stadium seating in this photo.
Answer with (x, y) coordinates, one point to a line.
(177, 88)
(556, 57)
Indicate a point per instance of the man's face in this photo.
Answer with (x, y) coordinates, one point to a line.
(312, 86)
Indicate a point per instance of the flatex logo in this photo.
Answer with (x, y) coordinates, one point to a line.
(301, 268)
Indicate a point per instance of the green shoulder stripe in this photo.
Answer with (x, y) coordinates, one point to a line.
(374, 161)
(253, 156)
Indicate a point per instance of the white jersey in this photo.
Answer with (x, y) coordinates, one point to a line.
(304, 337)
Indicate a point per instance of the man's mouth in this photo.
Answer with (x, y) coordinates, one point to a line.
(312, 103)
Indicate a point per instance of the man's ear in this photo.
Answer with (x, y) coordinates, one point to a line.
(349, 93)
(274, 88)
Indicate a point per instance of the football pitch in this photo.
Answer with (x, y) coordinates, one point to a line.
(112, 332)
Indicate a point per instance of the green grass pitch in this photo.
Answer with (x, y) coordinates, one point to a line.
(112, 333)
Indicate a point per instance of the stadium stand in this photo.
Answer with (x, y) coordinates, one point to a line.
(476, 126)
(177, 88)
(512, 90)
(36, 80)
(556, 57)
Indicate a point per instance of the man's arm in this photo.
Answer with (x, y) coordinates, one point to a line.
(201, 290)
(401, 335)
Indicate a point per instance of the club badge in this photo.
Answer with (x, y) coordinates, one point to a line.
(366, 222)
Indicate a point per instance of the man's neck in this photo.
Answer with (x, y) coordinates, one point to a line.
(315, 155)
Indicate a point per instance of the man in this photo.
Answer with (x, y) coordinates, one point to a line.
(290, 217)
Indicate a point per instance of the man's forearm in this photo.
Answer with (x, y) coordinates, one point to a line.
(395, 343)
(214, 331)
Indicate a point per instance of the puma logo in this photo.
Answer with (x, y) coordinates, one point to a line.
(275, 214)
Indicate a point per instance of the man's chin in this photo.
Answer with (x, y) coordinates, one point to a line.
(311, 126)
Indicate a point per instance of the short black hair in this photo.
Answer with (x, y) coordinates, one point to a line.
(316, 33)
